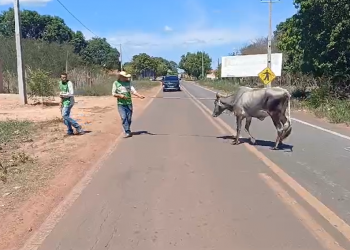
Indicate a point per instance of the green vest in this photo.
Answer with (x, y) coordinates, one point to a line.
(123, 88)
(66, 102)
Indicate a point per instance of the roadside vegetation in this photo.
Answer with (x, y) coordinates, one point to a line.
(50, 49)
(316, 67)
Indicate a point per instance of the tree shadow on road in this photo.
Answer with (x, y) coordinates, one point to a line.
(262, 143)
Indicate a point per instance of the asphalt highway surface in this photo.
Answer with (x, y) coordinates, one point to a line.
(178, 183)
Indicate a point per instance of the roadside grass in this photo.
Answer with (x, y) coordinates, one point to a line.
(15, 130)
(12, 134)
(104, 88)
(318, 100)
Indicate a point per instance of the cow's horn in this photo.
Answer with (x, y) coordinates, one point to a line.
(218, 95)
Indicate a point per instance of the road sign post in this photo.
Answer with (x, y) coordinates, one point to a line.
(267, 76)
(269, 43)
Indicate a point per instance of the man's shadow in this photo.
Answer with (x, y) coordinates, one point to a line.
(258, 142)
(142, 132)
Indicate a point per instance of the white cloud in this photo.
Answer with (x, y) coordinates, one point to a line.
(197, 34)
(26, 2)
(206, 37)
(167, 28)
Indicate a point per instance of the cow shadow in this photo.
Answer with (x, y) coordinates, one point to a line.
(261, 143)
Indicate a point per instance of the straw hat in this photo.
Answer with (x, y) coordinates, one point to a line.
(124, 74)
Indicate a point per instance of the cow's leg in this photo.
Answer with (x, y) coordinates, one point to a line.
(279, 127)
(238, 129)
(247, 126)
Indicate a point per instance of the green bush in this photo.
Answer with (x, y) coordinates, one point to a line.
(41, 85)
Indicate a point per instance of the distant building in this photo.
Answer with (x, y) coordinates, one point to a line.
(211, 74)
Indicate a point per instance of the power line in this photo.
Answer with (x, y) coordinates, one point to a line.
(75, 17)
(120, 45)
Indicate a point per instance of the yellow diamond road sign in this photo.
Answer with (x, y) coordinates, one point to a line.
(267, 76)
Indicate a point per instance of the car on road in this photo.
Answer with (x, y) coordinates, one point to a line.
(171, 83)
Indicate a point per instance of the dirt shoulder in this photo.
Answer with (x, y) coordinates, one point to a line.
(40, 165)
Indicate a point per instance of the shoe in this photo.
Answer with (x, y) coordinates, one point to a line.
(80, 131)
(127, 135)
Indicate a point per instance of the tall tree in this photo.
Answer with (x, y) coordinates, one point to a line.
(99, 52)
(191, 63)
(36, 26)
(316, 39)
(143, 62)
(79, 42)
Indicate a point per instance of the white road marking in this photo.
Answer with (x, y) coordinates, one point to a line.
(297, 120)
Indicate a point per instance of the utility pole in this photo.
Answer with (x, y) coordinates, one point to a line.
(202, 64)
(20, 67)
(67, 62)
(120, 57)
(269, 40)
(1, 79)
(219, 76)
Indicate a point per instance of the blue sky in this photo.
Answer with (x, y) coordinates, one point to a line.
(167, 28)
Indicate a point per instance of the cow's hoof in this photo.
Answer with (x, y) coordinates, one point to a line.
(275, 148)
(235, 142)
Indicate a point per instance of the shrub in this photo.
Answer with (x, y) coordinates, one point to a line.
(41, 85)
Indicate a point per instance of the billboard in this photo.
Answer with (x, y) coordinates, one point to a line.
(250, 65)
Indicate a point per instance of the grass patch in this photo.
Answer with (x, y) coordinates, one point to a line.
(220, 85)
(318, 100)
(105, 88)
(12, 130)
(12, 133)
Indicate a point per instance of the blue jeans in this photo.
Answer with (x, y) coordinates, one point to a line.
(125, 112)
(68, 121)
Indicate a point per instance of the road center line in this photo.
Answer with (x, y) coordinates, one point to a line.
(306, 219)
(323, 210)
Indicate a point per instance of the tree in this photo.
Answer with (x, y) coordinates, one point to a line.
(99, 52)
(259, 46)
(36, 26)
(173, 66)
(316, 39)
(143, 62)
(79, 42)
(191, 63)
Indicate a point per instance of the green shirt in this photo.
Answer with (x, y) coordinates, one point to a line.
(67, 88)
(124, 88)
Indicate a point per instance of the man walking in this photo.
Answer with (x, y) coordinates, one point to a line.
(122, 89)
(67, 103)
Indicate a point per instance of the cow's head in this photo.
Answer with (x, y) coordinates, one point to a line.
(219, 106)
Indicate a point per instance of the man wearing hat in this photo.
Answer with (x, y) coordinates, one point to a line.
(122, 89)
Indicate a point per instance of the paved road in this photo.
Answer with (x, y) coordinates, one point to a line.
(319, 161)
(180, 184)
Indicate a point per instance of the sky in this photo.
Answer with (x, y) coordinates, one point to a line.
(167, 28)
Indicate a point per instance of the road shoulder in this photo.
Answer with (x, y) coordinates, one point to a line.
(23, 210)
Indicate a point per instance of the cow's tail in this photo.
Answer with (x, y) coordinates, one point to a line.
(289, 119)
